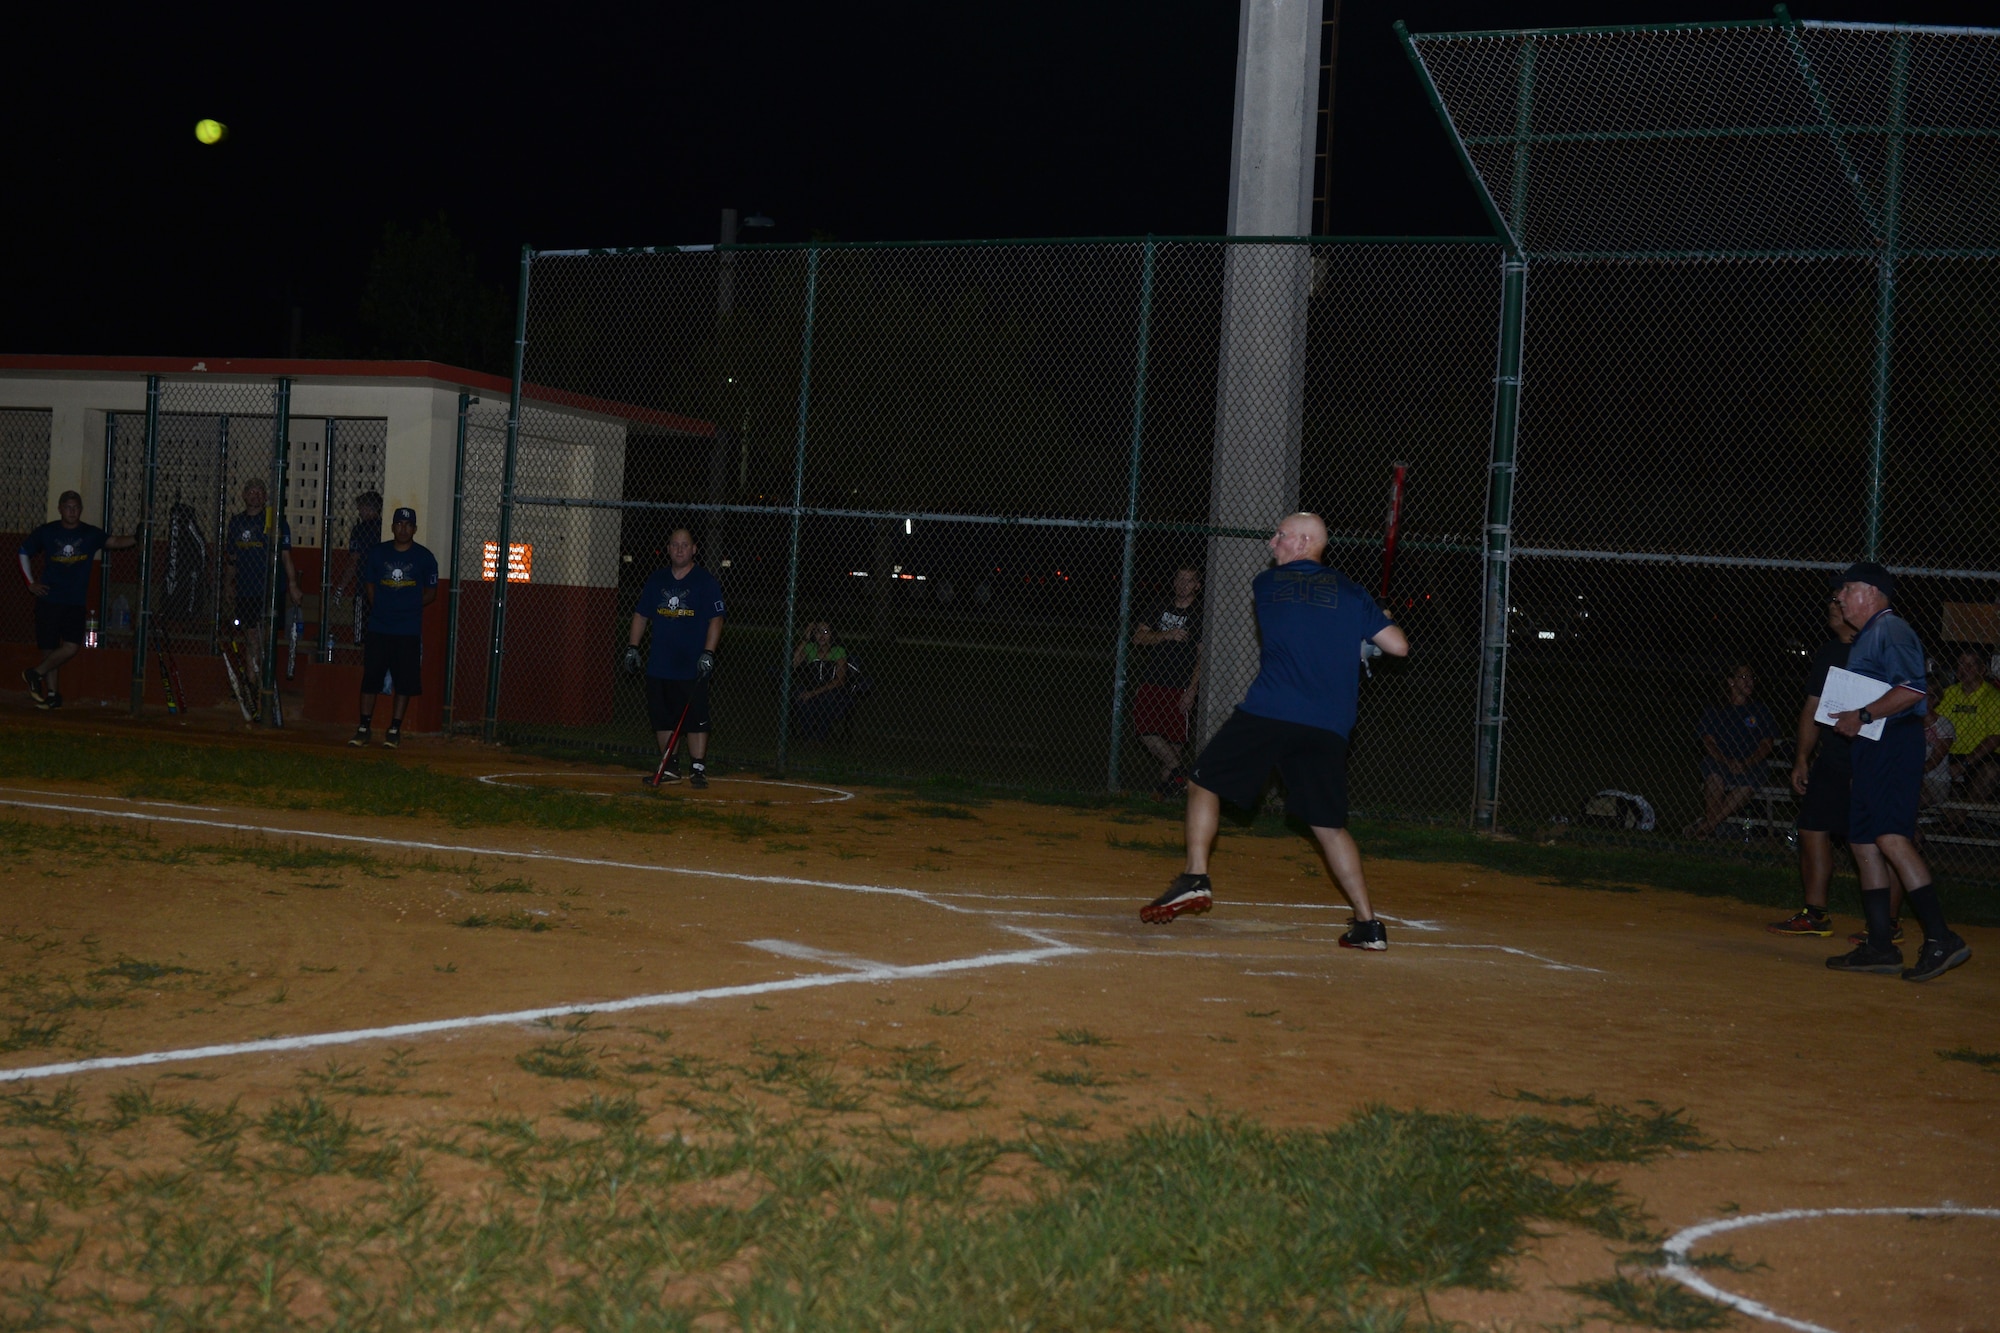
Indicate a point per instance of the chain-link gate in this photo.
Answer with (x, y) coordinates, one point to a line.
(24, 499)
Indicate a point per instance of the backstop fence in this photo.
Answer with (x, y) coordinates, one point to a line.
(1737, 325)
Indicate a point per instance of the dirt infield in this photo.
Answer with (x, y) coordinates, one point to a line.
(1007, 935)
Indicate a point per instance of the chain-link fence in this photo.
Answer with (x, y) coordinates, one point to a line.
(1736, 329)
(1759, 265)
(24, 498)
(980, 466)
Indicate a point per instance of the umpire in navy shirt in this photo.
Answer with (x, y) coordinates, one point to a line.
(1888, 779)
(1295, 718)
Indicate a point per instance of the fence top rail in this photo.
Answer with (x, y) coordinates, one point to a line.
(589, 252)
(1779, 19)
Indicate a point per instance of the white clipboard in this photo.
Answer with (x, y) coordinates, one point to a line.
(1846, 691)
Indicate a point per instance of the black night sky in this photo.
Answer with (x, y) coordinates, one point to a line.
(575, 125)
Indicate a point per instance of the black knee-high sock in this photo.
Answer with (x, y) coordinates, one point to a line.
(1875, 906)
(1924, 903)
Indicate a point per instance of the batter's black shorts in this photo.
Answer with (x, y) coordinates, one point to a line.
(400, 656)
(1238, 760)
(57, 623)
(1823, 809)
(1888, 782)
(666, 698)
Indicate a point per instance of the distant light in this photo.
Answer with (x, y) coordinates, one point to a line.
(1545, 634)
(906, 527)
(858, 573)
(725, 564)
(758, 220)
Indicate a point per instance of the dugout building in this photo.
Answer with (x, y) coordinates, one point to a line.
(399, 428)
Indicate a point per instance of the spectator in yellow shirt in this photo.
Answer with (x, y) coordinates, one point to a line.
(1973, 705)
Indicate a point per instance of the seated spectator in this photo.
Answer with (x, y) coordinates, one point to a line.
(1939, 735)
(1973, 705)
(819, 683)
(1736, 738)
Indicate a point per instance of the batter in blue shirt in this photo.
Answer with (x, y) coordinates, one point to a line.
(398, 580)
(682, 606)
(1888, 782)
(1313, 621)
(68, 548)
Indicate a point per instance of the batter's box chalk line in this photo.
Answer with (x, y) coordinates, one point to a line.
(1680, 1270)
(833, 795)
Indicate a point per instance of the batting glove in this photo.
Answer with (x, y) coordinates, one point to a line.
(704, 665)
(631, 661)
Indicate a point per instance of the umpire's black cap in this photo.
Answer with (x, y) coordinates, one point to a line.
(1867, 571)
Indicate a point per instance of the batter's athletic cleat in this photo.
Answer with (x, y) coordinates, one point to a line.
(1804, 922)
(393, 736)
(1887, 960)
(698, 776)
(38, 688)
(1365, 935)
(1187, 894)
(361, 736)
(672, 772)
(50, 699)
(1938, 957)
(1861, 936)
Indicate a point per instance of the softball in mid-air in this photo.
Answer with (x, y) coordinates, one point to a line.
(210, 131)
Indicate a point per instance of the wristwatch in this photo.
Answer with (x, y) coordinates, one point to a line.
(1866, 717)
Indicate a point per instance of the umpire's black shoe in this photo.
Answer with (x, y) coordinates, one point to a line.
(361, 736)
(1187, 894)
(698, 776)
(1938, 957)
(38, 688)
(1867, 958)
(49, 699)
(1371, 935)
(393, 736)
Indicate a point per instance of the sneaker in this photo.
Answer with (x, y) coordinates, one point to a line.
(49, 699)
(1365, 935)
(393, 736)
(1867, 958)
(1804, 922)
(1938, 957)
(38, 688)
(671, 773)
(1861, 936)
(1188, 893)
(361, 736)
(698, 777)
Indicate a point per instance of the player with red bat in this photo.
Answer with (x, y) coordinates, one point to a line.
(1312, 621)
(682, 603)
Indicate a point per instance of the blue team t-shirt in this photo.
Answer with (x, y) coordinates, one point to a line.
(1313, 620)
(249, 546)
(1888, 650)
(680, 609)
(1738, 731)
(400, 579)
(66, 555)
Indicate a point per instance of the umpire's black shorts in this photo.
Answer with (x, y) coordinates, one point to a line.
(1823, 809)
(1239, 758)
(666, 698)
(1888, 782)
(400, 656)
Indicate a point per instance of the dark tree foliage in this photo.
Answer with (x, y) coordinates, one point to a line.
(424, 300)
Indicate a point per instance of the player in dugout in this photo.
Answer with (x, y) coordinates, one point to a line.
(399, 579)
(67, 546)
(683, 605)
(1296, 717)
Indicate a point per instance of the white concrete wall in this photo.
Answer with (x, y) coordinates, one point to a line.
(76, 428)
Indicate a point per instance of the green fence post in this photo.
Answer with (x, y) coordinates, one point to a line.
(491, 729)
(465, 402)
(1131, 512)
(281, 459)
(326, 547)
(144, 622)
(1499, 540)
(798, 503)
(104, 561)
(220, 543)
(1885, 288)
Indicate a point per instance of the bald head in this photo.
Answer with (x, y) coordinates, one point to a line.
(1300, 536)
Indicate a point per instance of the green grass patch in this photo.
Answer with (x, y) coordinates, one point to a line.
(1653, 1302)
(1987, 1060)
